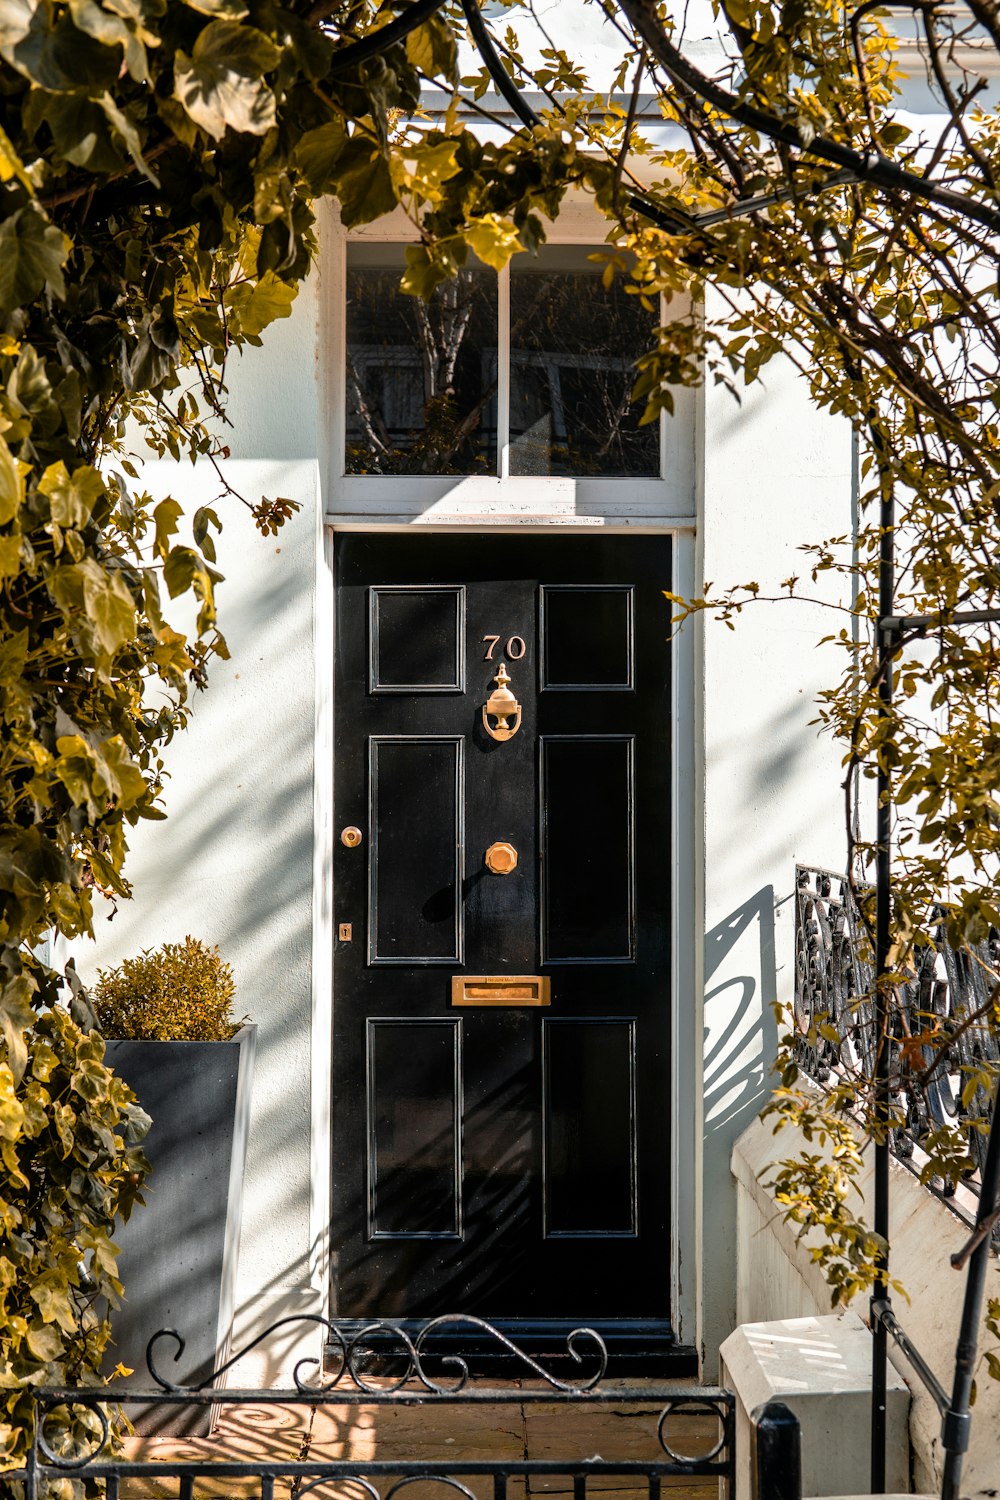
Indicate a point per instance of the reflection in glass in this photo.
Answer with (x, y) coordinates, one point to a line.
(421, 376)
(573, 349)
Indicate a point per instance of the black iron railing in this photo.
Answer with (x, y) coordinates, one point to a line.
(945, 1080)
(387, 1366)
(930, 1058)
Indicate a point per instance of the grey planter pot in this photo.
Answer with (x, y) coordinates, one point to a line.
(180, 1253)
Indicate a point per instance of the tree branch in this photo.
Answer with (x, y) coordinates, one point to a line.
(867, 166)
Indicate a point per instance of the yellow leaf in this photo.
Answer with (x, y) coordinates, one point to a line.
(11, 484)
(492, 240)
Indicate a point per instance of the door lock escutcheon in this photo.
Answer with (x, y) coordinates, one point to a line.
(502, 706)
(501, 859)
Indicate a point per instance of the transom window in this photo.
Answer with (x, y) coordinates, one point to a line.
(533, 382)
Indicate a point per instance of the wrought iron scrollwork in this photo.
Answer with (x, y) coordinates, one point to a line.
(696, 1406)
(390, 1342)
(946, 997)
(74, 1453)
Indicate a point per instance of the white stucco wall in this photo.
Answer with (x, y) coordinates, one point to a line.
(775, 474)
(239, 861)
(778, 1279)
(233, 864)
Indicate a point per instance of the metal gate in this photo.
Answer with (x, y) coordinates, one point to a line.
(385, 1365)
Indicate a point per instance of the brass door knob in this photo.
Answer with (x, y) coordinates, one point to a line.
(501, 859)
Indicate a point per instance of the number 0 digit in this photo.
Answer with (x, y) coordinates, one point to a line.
(515, 648)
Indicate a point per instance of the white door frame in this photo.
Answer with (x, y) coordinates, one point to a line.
(556, 507)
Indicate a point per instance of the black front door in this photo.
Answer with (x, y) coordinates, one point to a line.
(502, 1107)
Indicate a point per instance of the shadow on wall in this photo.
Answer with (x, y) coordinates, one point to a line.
(233, 864)
(741, 1037)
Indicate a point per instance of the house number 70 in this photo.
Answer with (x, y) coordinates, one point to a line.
(515, 647)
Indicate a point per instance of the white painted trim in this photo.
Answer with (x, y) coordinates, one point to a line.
(694, 654)
(669, 499)
(332, 345)
(503, 375)
(321, 1053)
(505, 521)
(686, 970)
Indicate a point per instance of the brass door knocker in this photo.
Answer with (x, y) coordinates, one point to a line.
(502, 706)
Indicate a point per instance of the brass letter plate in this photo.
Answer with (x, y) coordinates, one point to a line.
(499, 989)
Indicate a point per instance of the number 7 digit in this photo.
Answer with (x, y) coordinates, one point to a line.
(492, 640)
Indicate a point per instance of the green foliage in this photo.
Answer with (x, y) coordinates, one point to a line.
(880, 290)
(157, 169)
(991, 1357)
(158, 164)
(71, 1165)
(814, 1191)
(180, 992)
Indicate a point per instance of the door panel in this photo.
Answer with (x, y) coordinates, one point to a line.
(417, 638)
(416, 824)
(509, 1160)
(586, 802)
(588, 1127)
(414, 1092)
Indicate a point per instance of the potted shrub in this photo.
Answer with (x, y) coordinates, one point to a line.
(167, 1019)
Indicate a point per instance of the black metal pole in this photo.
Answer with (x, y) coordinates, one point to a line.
(776, 1458)
(883, 897)
(957, 1420)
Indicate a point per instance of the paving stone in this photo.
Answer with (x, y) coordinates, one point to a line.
(510, 1431)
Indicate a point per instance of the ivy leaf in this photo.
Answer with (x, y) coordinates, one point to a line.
(231, 10)
(72, 499)
(130, 135)
(260, 304)
(32, 255)
(137, 1124)
(149, 364)
(317, 153)
(220, 84)
(52, 53)
(10, 555)
(364, 183)
(27, 42)
(124, 777)
(16, 1018)
(45, 1342)
(11, 485)
(492, 239)
(96, 605)
(423, 273)
(52, 1299)
(431, 49)
(11, 164)
(112, 31)
(166, 515)
(184, 569)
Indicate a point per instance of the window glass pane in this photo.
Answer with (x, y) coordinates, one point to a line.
(573, 349)
(421, 377)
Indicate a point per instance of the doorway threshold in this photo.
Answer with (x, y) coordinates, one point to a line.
(563, 1347)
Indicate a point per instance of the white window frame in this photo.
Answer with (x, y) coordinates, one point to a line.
(667, 501)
